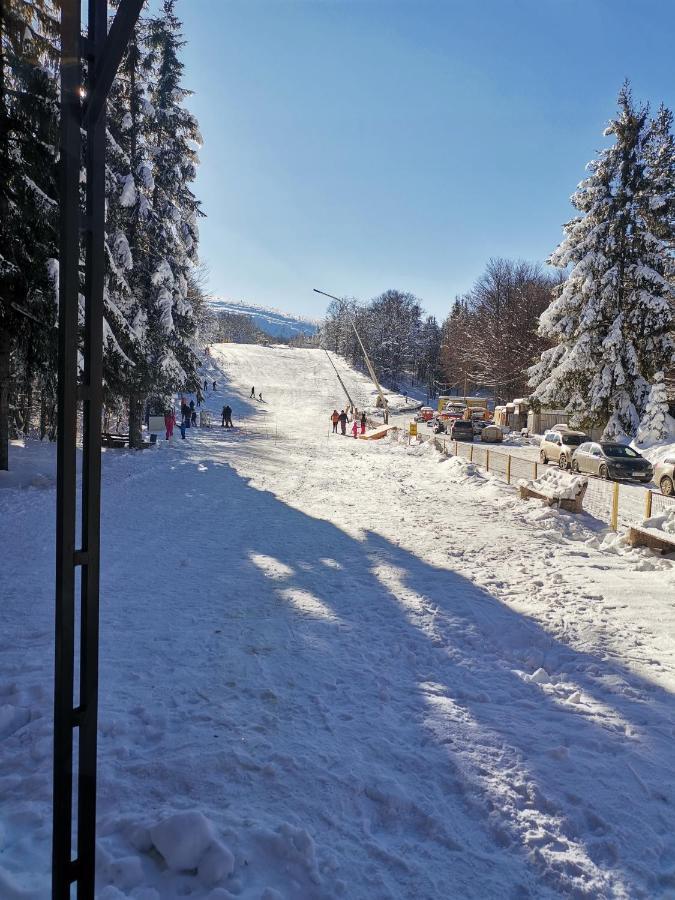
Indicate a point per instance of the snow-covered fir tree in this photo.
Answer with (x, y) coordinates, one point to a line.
(153, 294)
(169, 317)
(28, 210)
(611, 320)
(655, 424)
(129, 185)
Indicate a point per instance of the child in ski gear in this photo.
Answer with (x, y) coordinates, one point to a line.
(355, 428)
(260, 396)
(169, 423)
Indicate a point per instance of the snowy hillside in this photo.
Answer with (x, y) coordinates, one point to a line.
(273, 321)
(341, 669)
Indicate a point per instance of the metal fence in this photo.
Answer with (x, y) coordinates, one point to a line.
(617, 504)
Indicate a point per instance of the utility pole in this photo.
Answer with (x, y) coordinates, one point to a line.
(81, 233)
(369, 365)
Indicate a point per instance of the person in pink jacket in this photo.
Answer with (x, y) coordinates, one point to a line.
(169, 422)
(355, 428)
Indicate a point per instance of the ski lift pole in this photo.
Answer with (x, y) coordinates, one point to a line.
(373, 376)
(351, 403)
(366, 357)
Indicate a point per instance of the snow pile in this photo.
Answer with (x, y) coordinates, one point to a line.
(662, 522)
(556, 485)
(460, 470)
(187, 842)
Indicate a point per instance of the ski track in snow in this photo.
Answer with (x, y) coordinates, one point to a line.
(362, 669)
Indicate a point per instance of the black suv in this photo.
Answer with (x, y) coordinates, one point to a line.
(460, 430)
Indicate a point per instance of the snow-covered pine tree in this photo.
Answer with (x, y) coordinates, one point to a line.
(655, 423)
(170, 320)
(660, 169)
(428, 353)
(611, 320)
(28, 206)
(129, 374)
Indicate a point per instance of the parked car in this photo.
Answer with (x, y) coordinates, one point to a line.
(559, 446)
(460, 430)
(664, 475)
(426, 413)
(611, 460)
(480, 424)
(492, 434)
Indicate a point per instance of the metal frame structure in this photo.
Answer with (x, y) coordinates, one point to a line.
(88, 67)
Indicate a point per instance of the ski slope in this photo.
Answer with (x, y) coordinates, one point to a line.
(343, 669)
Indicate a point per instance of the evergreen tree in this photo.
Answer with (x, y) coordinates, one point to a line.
(654, 425)
(154, 296)
(129, 186)
(428, 353)
(169, 318)
(28, 207)
(611, 320)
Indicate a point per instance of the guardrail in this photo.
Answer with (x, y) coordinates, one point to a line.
(613, 502)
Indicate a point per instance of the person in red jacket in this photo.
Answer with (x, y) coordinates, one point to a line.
(169, 422)
(335, 418)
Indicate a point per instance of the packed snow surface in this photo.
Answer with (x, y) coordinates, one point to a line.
(339, 668)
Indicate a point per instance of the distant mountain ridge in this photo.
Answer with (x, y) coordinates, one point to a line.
(273, 321)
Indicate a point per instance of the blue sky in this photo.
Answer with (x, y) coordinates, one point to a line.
(360, 145)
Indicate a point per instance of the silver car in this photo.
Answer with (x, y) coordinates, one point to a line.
(664, 475)
(558, 446)
(611, 460)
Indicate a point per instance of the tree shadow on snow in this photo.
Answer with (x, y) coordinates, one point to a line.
(391, 701)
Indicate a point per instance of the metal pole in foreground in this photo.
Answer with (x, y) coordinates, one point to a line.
(79, 709)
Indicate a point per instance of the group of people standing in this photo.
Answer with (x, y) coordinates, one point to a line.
(188, 418)
(341, 419)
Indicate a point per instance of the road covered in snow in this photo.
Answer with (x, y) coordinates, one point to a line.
(336, 668)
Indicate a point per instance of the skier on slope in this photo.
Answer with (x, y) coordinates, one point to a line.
(343, 422)
(335, 418)
(253, 392)
(227, 417)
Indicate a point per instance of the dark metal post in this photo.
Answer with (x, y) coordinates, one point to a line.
(103, 54)
(92, 396)
(63, 869)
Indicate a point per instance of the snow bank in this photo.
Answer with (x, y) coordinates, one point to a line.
(663, 522)
(556, 485)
